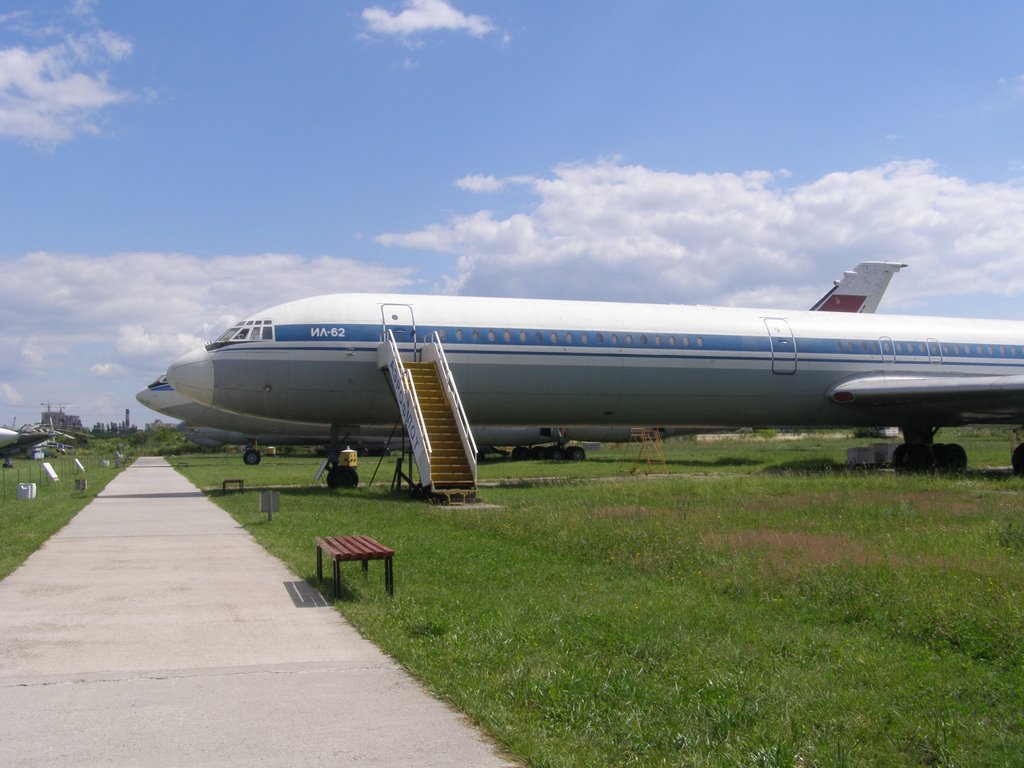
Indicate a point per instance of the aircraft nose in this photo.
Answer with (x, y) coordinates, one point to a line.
(145, 397)
(192, 375)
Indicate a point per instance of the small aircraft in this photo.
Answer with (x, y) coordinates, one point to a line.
(15, 441)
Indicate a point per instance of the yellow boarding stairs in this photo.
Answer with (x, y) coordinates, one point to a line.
(435, 422)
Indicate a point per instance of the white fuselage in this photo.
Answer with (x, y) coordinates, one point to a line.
(523, 361)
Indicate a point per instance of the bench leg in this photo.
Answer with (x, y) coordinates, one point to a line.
(389, 577)
(319, 563)
(366, 567)
(337, 579)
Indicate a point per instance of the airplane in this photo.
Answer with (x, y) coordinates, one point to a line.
(860, 290)
(534, 361)
(15, 441)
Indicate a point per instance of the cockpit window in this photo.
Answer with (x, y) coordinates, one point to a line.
(250, 330)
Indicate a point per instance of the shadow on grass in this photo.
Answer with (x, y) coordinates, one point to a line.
(807, 467)
(318, 492)
(722, 461)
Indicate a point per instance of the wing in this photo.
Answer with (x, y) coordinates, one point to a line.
(946, 398)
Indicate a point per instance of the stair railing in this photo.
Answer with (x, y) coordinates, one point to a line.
(434, 352)
(409, 407)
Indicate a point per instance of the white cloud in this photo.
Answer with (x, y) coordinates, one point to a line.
(9, 395)
(71, 320)
(50, 94)
(614, 231)
(480, 183)
(107, 370)
(419, 16)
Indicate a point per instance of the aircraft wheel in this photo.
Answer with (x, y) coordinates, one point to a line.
(575, 453)
(251, 457)
(520, 453)
(954, 458)
(537, 452)
(919, 458)
(342, 477)
(1018, 460)
(899, 457)
(554, 453)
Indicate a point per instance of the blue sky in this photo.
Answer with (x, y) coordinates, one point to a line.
(166, 168)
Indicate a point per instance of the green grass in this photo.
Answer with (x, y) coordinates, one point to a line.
(26, 523)
(728, 611)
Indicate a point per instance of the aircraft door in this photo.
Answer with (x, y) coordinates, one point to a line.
(399, 319)
(888, 349)
(783, 345)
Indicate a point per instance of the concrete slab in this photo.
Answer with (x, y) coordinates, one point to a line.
(153, 630)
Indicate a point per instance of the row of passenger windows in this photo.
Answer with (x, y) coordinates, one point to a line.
(583, 338)
(567, 338)
(932, 348)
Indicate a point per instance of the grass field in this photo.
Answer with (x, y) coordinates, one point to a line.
(746, 603)
(26, 523)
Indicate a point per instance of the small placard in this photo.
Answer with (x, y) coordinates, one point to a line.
(50, 471)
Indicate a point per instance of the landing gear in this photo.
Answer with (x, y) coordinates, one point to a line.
(520, 453)
(1017, 460)
(575, 453)
(921, 454)
(251, 456)
(549, 453)
(554, 453)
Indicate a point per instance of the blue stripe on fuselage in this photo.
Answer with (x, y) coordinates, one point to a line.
(641, 344)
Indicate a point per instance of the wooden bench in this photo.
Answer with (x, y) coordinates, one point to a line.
(238, 482)
(354, 548)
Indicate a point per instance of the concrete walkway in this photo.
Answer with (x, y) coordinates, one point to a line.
(153, 631)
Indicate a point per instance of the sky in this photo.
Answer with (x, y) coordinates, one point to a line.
(168, 168)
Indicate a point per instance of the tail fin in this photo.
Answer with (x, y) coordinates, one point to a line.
(861, 288)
